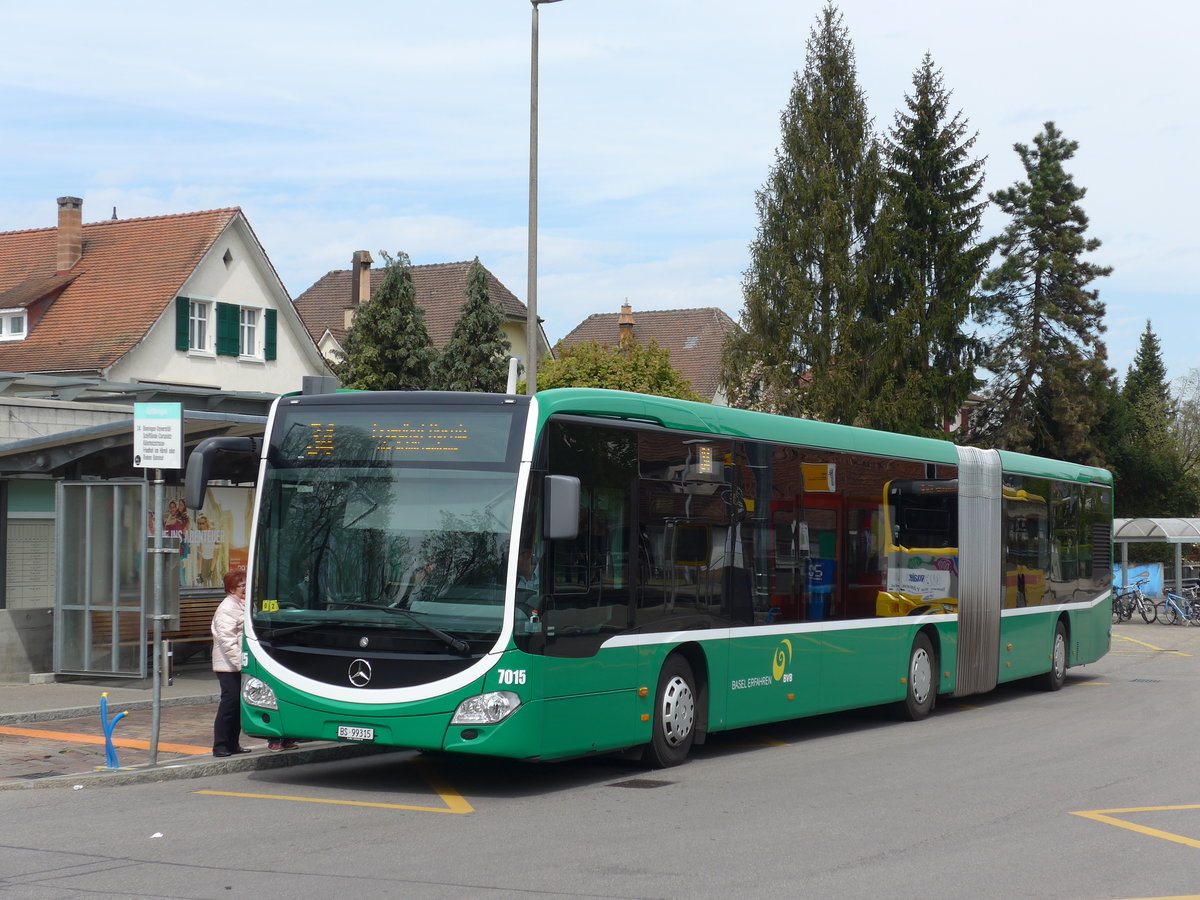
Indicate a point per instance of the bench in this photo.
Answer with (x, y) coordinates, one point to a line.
(194, 634)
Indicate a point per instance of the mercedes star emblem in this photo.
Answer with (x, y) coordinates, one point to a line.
(360, 673)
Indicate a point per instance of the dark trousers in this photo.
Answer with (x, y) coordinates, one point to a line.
(227, 728)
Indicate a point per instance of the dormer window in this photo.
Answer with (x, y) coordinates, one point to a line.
(14, 324)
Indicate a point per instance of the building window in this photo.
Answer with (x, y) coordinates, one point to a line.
(226, 329)
(198, 314)
(12, 324)
(248, 343)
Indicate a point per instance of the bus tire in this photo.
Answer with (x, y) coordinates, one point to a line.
(1057, 676)
(920, 681)
(674, 716)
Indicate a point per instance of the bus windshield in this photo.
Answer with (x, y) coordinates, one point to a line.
(402, 524)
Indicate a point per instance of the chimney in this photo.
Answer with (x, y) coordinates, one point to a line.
(70, 232)
(360, 278)
(625, 323)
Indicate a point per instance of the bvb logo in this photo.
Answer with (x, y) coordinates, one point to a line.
(783, 657)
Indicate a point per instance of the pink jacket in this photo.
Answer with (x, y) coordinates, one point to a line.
(227, 635)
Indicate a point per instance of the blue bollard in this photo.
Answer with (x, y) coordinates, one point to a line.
(110, 752)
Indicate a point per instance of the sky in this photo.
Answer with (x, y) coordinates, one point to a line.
(404, 126)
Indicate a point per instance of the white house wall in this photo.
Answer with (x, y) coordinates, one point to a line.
(246, 281)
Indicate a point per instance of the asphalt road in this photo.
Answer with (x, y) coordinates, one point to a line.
(1085, 793)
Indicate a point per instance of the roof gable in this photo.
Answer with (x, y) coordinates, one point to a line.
(694, 337)
(130, 269)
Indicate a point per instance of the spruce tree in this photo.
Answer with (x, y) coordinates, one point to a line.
(388, 347)
(800, 347)
(1048, 361)
(476, 356)
(1149, 466)
(934, 261)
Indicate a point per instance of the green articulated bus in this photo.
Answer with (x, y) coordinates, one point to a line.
(588, 571)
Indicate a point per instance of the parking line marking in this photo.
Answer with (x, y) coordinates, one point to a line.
(128, 743)
(456, 804)
(1106, 816)
(1122, 637)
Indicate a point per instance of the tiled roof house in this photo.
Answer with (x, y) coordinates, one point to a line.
(327, 307)
(186, 299)
(694, 337)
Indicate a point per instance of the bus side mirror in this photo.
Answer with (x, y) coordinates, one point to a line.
(200, 462)
(562, 508)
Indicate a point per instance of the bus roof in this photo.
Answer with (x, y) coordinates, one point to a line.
(705, 418)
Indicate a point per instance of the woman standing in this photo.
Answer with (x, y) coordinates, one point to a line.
(227, 625)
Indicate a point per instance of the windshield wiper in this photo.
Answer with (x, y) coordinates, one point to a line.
(458, 645)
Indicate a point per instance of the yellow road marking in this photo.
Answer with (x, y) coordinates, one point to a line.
(456, 804)
(1106, 816)
(1122, 637)
(128, 743)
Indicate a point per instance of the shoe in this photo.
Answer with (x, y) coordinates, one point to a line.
(221, 754)
(281, 744)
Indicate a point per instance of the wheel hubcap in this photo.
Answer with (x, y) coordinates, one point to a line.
(1060, 655)
(921, 677)
(678, 711)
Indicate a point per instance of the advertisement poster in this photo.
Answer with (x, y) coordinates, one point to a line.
(212, 539)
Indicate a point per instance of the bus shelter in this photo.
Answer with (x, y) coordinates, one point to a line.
(1175, 532)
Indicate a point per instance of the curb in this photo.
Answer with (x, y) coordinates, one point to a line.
(80, 712)
(200, 768)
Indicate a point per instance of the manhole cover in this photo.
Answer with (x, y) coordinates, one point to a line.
(641, 783)
(38, 775)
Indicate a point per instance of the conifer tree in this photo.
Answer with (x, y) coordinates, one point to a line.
(1150, 471)
(934, 262)
(476, 356)
(800, 347)
(388, 347)
(1048, 361)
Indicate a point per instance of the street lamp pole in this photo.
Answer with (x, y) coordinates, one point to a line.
(531, 334)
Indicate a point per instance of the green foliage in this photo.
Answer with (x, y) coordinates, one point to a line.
(933, 262)
(803, 349)
(476, 356)
(388, 347)
(630, 367)
(1149, 464)
(1048, 362)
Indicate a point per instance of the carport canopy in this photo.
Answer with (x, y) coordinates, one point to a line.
(1157, 531)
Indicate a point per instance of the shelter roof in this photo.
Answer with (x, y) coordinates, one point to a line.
(1173, 531)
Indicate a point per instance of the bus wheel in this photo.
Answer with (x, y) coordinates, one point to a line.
(922, 681)
(674, 716)
(1057, 676)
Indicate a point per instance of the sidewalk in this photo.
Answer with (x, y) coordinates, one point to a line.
(52, 734)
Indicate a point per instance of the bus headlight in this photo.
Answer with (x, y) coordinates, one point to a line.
(486, 709)
(257, 692)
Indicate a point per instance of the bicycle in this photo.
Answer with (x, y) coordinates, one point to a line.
(1120, 606)
(1132, 598)
(1177, 610)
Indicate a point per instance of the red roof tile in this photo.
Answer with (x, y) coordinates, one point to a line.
(129, 271)
(694, 337)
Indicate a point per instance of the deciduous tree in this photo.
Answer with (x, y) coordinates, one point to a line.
(629, 367)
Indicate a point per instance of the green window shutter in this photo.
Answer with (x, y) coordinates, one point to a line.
(228, 323)
(183, 309)
(269, 347)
